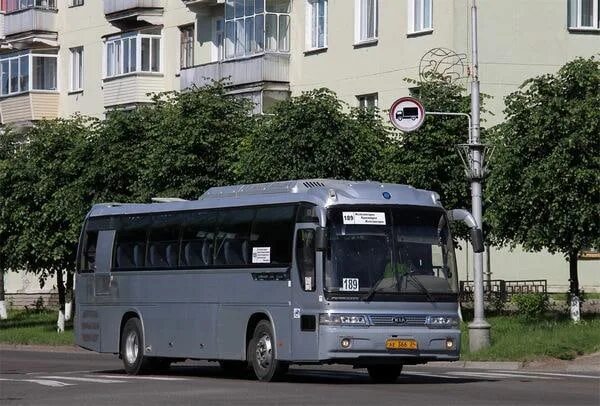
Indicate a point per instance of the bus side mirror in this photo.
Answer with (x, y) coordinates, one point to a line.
(477, 240)
(321, 239)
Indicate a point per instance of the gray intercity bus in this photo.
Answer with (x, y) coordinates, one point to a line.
(268, 275)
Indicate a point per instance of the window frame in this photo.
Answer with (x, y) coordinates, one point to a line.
(364, 98)
(77, 69)
(117, 44)
(76, 3)
(312, 24)
(187, 43)
(359, 19)
(575, 15)
(9, 58)
(412, 16)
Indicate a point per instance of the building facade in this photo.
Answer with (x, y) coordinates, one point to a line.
(62, 57)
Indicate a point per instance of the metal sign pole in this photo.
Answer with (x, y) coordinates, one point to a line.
(479, 328)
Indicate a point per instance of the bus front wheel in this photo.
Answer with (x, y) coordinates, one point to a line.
(384, 373)
(132, 348)
(262, 354)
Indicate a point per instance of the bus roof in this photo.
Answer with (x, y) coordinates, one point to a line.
(322, 192)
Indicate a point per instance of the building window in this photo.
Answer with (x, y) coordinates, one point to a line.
(76, 69)
(584, 14)
(254, 26)
(368, 101)
(365, 20)
(16, 5)
(187, 46)
(316, 24)
(23, 72)
(133, 53)
(419, 15)
(75, 3)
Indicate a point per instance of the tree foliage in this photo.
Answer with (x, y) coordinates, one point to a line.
(544, 188)
(313, 135)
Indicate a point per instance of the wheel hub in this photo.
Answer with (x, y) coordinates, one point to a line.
(131, 348)
(264, 351)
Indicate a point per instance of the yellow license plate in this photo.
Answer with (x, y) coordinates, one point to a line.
(397, 344)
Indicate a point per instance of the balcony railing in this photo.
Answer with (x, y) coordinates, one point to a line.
(12, 6)
(268, 67)
(117, 6)
(30, 20)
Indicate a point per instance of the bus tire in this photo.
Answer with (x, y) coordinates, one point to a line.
(132, 348)
(262, 354)
(384, 373)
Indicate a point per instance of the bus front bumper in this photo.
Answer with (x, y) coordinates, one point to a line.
(371, 345)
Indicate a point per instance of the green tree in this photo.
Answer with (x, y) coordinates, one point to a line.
(544, 186)
(179, 146)
(9, 144)
(49, 200)
(313, 135)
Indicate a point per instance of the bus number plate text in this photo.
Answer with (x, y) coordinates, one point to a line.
(350, 285)
(397, 344)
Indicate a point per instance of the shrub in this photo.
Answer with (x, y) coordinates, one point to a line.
(531, 305)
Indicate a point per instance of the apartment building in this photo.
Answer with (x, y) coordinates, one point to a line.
(61, 57)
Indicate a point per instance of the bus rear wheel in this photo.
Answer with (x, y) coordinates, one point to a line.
(384, 373)
(262, 354)
(132, 348)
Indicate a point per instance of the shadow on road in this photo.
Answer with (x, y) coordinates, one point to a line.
(306, 376)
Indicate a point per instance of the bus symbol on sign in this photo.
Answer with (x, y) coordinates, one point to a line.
(407, 114)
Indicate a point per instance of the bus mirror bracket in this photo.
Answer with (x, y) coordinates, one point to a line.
(321, 239)
(476, 233)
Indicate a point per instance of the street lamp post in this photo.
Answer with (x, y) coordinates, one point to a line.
(479, 328)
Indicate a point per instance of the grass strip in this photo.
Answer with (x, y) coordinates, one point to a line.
(517, 339)
(34, 327)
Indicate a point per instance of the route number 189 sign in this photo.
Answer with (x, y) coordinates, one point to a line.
(407, 114)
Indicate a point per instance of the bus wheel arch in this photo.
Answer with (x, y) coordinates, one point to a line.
(130, 314)
(261, 353)
(251, 326)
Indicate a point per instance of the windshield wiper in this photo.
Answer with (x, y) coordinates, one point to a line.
(373, 290)
(417, 283)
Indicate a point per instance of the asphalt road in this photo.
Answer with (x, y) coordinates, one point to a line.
(55, 378)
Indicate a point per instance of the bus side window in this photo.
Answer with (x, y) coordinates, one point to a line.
(88, 259)
(273, 228)
(305, 257)
(131, 249)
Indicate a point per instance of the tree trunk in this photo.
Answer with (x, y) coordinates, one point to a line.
(69, 296)
(3, 315)
(61, 302)
(573, 278)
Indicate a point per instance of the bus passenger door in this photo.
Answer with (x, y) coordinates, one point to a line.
(305, 297)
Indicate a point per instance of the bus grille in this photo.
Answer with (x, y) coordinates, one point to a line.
(399, 320)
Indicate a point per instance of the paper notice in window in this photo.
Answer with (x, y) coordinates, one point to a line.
(261, 255)
(367, 218)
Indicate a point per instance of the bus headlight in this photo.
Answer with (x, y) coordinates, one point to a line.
(336, 319)
(441, 321)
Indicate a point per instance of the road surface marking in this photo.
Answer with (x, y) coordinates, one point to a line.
(497, 375)
(153, 378)
(75, 378)
(566, 375)
(430, 375)
(44, 382)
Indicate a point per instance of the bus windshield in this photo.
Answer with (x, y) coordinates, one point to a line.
(390, 250)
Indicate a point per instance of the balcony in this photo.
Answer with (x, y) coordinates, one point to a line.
(30, 106)
(132, 88)
(126, 11)
(197, 5)
(31, 22)
(256, 69)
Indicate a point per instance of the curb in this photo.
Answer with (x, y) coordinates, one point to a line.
(511, 366)
(44, 348)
